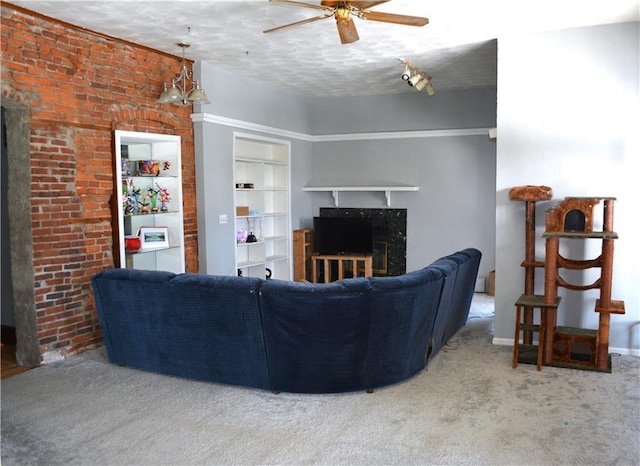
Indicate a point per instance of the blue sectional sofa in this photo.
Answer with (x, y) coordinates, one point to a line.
(355, 334)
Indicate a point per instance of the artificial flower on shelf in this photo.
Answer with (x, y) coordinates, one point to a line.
(134, 201)
(150, 197)
(130, 197)
(165, 197)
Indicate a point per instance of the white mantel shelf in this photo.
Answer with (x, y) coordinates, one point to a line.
(385, 189)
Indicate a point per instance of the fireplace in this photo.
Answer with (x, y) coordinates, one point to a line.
(390, 236)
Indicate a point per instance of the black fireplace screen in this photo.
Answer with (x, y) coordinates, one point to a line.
(390, 236)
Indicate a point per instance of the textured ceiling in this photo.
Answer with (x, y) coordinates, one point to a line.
(457, 48)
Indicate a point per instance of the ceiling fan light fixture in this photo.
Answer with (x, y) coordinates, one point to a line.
(343, 11)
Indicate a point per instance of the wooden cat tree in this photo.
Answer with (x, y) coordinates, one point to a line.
(529, 195)
(561, 346)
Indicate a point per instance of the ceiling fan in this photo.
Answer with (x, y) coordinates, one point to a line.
(344, 11)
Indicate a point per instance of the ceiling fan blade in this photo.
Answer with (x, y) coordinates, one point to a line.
(307, 5)
(298, 23)
(393, 18)
(355, 4)
(347, 31)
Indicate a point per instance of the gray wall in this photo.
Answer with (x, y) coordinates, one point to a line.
(568, 118)
(248, 107)
(454, 207)
(388, 140)
(406, 111)
(238, 98)
(455, 174)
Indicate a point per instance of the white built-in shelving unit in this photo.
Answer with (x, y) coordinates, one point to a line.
(135, 152)
(262, 185)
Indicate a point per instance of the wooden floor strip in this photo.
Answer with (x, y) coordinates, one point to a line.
(9, 364)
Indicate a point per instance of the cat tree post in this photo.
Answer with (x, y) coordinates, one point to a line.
(530, 195)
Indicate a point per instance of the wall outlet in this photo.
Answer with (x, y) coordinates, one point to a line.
(222, 218)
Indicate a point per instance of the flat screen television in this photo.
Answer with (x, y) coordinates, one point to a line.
(342, 235)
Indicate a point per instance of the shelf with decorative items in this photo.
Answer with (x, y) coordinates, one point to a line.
(262, 200)
(150, 230)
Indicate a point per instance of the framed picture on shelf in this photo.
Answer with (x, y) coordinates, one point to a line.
(153, 238)
(148, 168)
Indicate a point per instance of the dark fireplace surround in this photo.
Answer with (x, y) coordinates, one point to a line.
(390, 236)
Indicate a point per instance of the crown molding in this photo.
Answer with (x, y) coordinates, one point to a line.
(247, 125)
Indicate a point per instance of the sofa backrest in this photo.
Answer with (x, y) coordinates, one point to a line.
(197, 326)
(449, 269)
(316, 334)
(348, 335)
(351, 334)
(468, 261)
(119, 293)
(403, 311)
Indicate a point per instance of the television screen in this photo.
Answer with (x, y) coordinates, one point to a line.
(342, 235)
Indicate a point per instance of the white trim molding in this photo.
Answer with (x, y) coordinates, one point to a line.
(247, 125)
(430, 133)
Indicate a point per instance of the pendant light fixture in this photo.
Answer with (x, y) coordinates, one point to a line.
(183, 89)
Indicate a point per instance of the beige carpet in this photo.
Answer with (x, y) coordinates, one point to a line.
(469, 408)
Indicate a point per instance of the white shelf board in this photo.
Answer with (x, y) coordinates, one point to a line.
(387, 190)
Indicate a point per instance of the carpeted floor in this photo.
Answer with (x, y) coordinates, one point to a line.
(482, 306)
(469, 408)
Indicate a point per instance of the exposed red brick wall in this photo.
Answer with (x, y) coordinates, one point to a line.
(79, 87)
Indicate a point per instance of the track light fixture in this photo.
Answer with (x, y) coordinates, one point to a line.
(417, 79)
(421, 82)
(406, 74)
(184, 90)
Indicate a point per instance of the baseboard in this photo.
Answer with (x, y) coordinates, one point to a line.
(502, 341)
(625, 351)
(614, 350)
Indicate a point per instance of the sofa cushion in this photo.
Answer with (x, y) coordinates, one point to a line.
(468, 261)
(449, 269)
(116, 292)
(197, 326)
(316, 334)
(403, 311)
